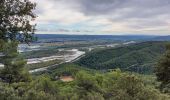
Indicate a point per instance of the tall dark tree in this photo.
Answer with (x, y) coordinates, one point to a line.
(163, 70)
(15, 27)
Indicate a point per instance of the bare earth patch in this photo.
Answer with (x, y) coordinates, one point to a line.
(66, 78)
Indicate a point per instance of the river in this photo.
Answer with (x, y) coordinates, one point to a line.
(69, 57)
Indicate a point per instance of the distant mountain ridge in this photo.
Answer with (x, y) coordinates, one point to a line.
(61, 37)
(162, 38)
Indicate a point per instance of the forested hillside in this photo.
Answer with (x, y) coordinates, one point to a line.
(86, 84)
(139, 57)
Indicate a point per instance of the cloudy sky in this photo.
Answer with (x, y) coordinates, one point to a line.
(103, 17)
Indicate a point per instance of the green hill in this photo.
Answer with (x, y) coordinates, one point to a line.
(139, 57)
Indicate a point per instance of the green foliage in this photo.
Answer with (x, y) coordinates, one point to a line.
(15, 17)
(46, 85)
(14, 65)
(68, 69)
(113, 85)
(163, 71)
(140, 57)
(129, 87)
(41, 89)
(86, 83)
(15, 27)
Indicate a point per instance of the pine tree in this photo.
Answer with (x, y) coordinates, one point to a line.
(163, 69)
(15, 27)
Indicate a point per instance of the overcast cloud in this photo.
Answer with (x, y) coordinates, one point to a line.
(104, 16)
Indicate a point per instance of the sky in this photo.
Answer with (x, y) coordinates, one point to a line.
(112, 17)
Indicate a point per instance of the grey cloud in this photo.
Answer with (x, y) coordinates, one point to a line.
(99, 7)
(137, 14)
(64, 30)
(117, 9)
(140, 24)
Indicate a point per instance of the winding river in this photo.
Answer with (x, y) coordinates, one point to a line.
(73, 55)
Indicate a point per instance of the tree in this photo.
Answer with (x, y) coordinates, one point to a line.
(163, 70)
(130, 87)
(15, 27)
(86, 84)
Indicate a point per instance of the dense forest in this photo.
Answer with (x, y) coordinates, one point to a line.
(86, 85)
(139, 57)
